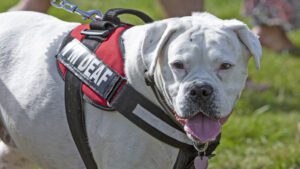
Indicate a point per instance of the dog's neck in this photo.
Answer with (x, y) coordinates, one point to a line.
(135, 74)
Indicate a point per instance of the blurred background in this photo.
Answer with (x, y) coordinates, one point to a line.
(263, 132)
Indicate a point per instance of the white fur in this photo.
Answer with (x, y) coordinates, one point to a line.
(32, 92)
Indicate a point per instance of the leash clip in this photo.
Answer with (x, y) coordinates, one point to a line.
(73, 8)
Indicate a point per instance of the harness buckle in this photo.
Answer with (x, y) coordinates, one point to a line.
(102, 33)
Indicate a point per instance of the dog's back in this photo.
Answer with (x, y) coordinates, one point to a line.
(31, 97)
(33, 109)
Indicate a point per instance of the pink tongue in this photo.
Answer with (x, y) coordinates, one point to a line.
(203, 128)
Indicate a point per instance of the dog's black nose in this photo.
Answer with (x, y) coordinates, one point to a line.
(202, 92)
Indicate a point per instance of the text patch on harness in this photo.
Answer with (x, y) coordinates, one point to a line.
(88, 68)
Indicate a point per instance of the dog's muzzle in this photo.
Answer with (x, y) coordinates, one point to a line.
(198, 97)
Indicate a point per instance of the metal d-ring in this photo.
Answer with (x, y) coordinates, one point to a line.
(201, 150)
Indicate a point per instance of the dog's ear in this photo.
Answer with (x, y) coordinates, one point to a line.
(248, 38)
(155, 38)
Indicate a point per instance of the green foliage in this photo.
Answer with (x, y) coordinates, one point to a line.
(262, 132)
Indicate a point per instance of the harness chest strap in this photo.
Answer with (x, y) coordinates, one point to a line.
(81, 64)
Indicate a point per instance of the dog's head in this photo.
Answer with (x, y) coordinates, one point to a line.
(200, 65)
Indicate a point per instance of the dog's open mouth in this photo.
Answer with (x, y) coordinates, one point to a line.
(202, 128)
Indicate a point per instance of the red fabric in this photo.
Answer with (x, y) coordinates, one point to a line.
(62, 69)
(76, 33)
(109, 52)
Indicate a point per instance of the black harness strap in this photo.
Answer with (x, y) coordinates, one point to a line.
(76, 119)
(127, 108)
(185, 159)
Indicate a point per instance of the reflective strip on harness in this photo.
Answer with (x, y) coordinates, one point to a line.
(149, 117)
(88, 68)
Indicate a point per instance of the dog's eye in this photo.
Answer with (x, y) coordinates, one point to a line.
(225, 66)
(177, 65)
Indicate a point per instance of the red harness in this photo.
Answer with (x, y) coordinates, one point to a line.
(109, 51)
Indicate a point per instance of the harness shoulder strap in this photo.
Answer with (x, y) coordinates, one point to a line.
(76, 119)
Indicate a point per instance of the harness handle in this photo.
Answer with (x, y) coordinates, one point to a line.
(112, 15)
(111, 20)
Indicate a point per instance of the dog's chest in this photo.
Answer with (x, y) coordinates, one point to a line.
(121, 144)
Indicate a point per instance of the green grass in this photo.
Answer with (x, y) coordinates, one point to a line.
(262, 132)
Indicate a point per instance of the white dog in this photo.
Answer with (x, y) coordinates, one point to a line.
(200, 66)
